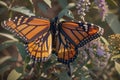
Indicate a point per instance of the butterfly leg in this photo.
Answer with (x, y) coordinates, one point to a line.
(69, 70)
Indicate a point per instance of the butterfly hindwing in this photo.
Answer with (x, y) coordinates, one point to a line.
(40, 48)
(73, 35)
(36, 34)
(65, 50)
(27, 28)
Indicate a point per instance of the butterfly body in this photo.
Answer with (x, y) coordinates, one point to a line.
(42, 37)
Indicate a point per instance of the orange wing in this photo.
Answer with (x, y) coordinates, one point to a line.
(27, 28)
(73, 35)
(36, 34)
(65, 50)
(40, 48)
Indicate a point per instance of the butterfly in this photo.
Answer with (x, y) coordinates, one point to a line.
(42, 37)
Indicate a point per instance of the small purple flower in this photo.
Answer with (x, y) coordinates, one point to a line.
(100, 52)
(83, 7)
(102, 8)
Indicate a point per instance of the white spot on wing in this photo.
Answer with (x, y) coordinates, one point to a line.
(9, 19)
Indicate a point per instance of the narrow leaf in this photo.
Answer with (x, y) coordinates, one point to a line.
(23, 10)
(115, 57)
(3, 59)
(117, 67)
(62, 13)
(113, 22)
(4, 68)
(71, 5)
(14, 75)
(3, 3)
(22, 50)
(104, 40)
(48, 2)
(6, 44)
(8, 36)
(66, 12)
(69, 14)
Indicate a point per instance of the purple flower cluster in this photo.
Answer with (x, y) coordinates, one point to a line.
(83, 7)
(102, 7)
(95, 47)
(98, 51)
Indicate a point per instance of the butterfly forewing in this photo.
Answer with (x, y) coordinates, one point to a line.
(73, 35)
(80, 33)
(35, 33)
(27, 28)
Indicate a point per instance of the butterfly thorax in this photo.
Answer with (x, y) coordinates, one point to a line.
(53, 30)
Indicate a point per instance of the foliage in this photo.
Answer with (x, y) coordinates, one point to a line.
(98, 60)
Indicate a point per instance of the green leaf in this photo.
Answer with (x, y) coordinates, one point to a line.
(62, 13)
(6, 44)
(3, 3)
(4, 68)
(48, 2)
(112, 3)
(22, 50)
(3, 59)
(19, 69)
(69, 14)
(115, 3)
(104, 40)
(115, 57)
(14, 75)
(113, 22)
(64, 76)
(117, 67)
(42, 7)
(66, 12)
(63, 3)
(27, 59)
(70, 5)
(23, 10)
(31, 2)
(8, 36)
(7, 59)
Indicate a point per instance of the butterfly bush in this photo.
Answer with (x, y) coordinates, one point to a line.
(103, 9)
(83, 7)
(96, 47)
(98, 52)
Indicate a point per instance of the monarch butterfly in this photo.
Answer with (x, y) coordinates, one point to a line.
(42, 36)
